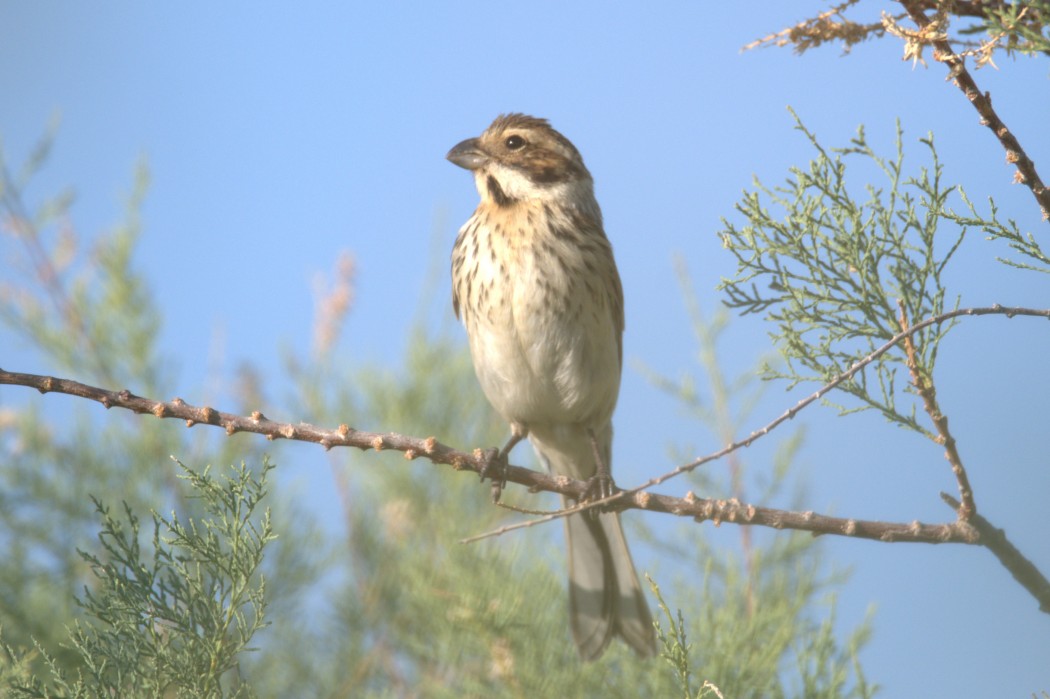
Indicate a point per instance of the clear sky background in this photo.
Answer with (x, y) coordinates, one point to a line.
(279, 135)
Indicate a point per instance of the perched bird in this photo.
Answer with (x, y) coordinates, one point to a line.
(535, 284)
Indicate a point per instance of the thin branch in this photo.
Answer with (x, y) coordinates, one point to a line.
(732, 510)
(924, 385)
(257, 423)
(982, 102)
(791, 412)
(700, 509)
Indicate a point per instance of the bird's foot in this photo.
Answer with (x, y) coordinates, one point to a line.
(494, 467)
(496, 461)
(599, 487)
(601, 484)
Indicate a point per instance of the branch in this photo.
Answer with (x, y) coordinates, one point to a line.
(732, 510)
(700, 509)
(975, 531)
(1023, 570)
(791, 412)
(924, 385)
(981, 101)
(414, 447)
(257, 423)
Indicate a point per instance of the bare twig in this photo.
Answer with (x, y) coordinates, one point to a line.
(924, 385)
(257, 423)
(732, 510)
(982, 102)
(791, 412)
(521, 510)
(700, 509)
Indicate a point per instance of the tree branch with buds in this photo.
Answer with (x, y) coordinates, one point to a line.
(970, 529)
(929, 33)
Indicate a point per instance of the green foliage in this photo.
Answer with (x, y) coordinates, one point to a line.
(172, 622)
(87, 312)
(767, 627)
(1024, 243)
(674, 647)
(764, 609)
(97, 283)
(834, 272)
(1021, 25)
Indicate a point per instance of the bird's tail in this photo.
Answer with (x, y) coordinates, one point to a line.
(605, 596)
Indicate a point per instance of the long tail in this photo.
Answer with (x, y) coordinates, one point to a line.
(605, 596)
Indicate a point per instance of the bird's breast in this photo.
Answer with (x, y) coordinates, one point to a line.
(539, 307)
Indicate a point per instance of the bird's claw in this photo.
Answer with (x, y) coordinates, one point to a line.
(494, 467)
(599, 487)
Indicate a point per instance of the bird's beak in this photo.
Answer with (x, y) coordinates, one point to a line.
(468, 154)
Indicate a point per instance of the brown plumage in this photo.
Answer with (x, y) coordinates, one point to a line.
(535, 283)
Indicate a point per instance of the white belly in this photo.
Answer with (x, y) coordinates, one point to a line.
(545, 346)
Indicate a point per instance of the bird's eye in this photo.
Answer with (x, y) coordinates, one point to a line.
(514, 142)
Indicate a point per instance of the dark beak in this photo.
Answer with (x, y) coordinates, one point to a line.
(468, 154)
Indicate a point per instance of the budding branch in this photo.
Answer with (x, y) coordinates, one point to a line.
(973, 529)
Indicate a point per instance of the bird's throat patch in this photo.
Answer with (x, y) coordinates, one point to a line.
(496, 192)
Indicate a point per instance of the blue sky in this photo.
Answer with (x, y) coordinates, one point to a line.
(279, 135)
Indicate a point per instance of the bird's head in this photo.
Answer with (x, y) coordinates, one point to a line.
(520, 158)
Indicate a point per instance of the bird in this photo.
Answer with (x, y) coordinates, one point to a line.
(536, 286)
